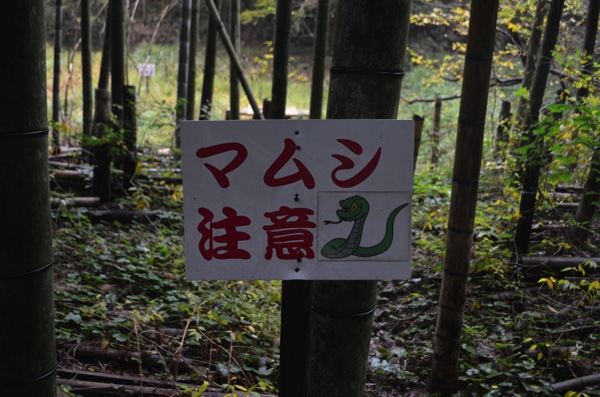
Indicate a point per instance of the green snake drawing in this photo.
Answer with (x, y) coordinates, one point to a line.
(355, 209)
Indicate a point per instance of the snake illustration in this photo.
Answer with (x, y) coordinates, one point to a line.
(355, 209)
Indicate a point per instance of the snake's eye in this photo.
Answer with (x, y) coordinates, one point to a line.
(354, 207)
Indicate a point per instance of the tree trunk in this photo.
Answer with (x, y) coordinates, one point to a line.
(86, 70)
(56, 81)
(365, 83)
(589, 44)
(182, 75)
(502, 132)
(117, 59)
(234, 86)
(535, 157)
(419, 122)
(320, 53)
(463, 202)
(130, 135)
(281, 58)
(435, 134)
(295, 294)
(104, 77)
(210, 57)
(533, 49)
(589, 200)
(27, 342)
(214, 13)
(191, 79)
(101, 178)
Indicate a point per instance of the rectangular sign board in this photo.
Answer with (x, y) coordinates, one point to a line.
(297, 199)
(146, 69)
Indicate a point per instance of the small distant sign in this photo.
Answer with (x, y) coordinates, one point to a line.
(146, 69)
(297, 199)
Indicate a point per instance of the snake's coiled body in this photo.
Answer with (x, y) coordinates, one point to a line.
(355, 209)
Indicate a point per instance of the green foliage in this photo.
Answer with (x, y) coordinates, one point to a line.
(262, 9)
(120, 287)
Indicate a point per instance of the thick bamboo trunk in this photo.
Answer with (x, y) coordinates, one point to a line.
(210, 58)
(234, 86)
(365, 83)
(463, 202)
(535, 157)
(281, 58)
(295, 294)
(27, 342)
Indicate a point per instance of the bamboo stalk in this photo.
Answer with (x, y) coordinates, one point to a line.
(75, 201)
(117, 59)
(435, 134)
(210, 56)
(234, 87)
(281, 58)
(589, 44)
(214, 12)
(27, 341)
(56, 81)
(533, 50)
(419, 122)
(576, 384)
(587, 208)
(104, 76)
(86, 69)
(101, 179)
(129, 159)
(182, 73)
(463, 202)
(193, 53)
(502, 132)
(370, 41)
(535, 158)
(320, 52)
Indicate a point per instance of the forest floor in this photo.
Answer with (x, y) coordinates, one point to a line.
(128, 323)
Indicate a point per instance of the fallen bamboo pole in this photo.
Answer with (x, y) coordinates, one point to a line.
(556, 263)
(576, 384)
(75, 201)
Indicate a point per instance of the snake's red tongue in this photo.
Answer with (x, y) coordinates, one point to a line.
(332, 222)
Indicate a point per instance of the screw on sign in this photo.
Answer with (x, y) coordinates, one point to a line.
(260, 196)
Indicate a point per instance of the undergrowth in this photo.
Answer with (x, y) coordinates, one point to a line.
(122, 287)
